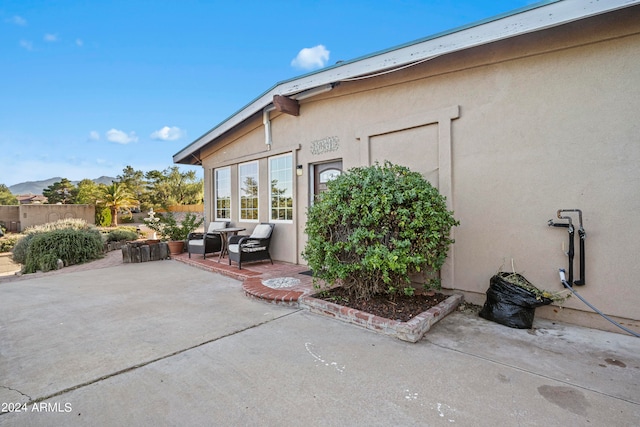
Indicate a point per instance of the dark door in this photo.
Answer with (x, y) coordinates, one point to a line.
(323, 173)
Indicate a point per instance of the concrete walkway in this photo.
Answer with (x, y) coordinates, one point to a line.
(164, 343)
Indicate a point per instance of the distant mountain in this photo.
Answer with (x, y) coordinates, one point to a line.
(36, 187)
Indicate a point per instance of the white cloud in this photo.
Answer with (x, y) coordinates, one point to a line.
(51, 37)
(121, 137)
(94, 136)
(79, 42)
(168, 133)
(18, 20)
(311, 57)
(26, 44)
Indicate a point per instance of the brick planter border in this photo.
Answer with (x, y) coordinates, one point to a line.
(411, 331)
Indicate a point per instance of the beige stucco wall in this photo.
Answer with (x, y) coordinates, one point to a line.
(511, 132)
(31, 215)
(246, 146)
(10, 216)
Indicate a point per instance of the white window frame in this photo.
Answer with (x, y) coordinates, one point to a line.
(291, 178)
(215, 193)
(241, 210)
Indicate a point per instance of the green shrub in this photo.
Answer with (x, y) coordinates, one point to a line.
(61, 224)
(22, 245)
(168, 226)
(122, 233)
(8, 242)
(375, 227)
(72, 246)
(103, 217)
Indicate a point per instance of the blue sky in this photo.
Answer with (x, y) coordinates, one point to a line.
(89, 87)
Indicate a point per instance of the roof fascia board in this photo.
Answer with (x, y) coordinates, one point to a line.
(525, 20)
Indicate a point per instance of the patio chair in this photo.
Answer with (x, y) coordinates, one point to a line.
(206, 243)
(251, 248)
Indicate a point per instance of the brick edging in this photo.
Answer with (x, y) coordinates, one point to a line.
(251, 283)
(254, 288)
(411, 331)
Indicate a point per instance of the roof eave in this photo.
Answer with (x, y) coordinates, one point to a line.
(529, 19)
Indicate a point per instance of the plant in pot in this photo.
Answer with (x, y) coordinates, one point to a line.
(173, 231)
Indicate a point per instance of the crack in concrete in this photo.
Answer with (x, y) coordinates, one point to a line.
(149, 362)
(17, 391)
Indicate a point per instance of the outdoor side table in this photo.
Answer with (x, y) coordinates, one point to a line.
(224, 237)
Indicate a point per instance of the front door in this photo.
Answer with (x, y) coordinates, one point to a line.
(323, 173)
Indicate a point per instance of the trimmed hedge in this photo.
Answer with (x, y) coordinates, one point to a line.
(21, 247)
(69, 245)
(375, 227)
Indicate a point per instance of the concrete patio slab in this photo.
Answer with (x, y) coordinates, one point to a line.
(199, 352)
(68, 329)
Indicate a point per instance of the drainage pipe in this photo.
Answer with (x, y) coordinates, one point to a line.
(266, 121)
(571, 251)
(266, 116)
(582, 234)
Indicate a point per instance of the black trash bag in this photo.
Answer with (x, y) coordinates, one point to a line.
(509, 304)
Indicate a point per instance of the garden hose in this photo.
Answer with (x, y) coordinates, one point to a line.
(568, 286)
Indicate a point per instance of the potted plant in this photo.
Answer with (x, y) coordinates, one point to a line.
(173, 231)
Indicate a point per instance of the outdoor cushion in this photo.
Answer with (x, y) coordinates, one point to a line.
(251, 248)
(261, 231)
(200, 243)
(216, 226)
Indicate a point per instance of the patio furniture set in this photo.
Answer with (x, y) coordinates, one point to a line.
(221, 238)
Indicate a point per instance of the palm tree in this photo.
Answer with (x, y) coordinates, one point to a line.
(118, 197)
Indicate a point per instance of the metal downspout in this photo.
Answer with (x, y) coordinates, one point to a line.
(267, 125)
(299, 96)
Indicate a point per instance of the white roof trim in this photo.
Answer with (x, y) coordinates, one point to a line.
(535, 18)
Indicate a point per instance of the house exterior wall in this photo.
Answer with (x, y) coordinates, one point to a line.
(510, 132)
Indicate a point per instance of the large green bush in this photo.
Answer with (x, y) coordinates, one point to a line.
(72, 246)
(21, 248)
(375, 227)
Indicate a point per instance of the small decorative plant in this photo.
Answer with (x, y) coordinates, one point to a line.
(168, 226)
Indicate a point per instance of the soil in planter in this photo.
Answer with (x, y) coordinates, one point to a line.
(400, 307)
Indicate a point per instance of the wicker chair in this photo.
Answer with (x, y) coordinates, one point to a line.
(251, 248)
(206, 243)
